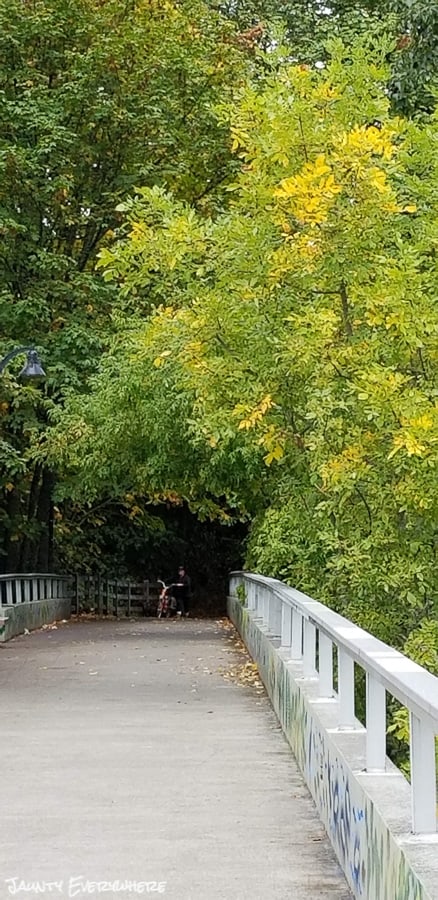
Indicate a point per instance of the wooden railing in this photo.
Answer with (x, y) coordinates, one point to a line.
(112, 597)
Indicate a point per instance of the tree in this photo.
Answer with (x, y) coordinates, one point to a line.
(96, 98)
(307, 28)
(297, 346)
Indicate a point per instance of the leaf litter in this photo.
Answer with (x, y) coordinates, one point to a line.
(243, 672)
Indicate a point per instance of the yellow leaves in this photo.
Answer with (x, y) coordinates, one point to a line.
(254, 416)
(170, 497)
(325, 92)
(408, 442)
(243, 674)
(368, 141)
(134, 512)
(277, 453)
(356, 151)
(424, 421)
(161, 359)
(139, 230)
(240, 139)
(311, 172)
(347, 465)
(299, 252)
(272, 439)
(377, 180)
(310, 194)
(413, 438)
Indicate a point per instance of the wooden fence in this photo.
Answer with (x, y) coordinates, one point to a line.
(108, 597)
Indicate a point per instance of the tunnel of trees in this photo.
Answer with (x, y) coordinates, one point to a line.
(218, 224)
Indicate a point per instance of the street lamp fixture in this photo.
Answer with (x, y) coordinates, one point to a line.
(33, 368)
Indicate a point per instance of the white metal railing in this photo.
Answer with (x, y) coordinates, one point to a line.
(302, 624)
(29, 588)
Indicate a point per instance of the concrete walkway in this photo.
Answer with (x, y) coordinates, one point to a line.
(132, 753)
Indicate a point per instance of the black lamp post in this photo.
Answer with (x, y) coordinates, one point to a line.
(33, 367)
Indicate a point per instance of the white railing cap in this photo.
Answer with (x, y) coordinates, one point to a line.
(20, 576)
(410, 683)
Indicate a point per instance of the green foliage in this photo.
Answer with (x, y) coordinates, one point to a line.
(95, 98)
(294, 347)
(241, 594)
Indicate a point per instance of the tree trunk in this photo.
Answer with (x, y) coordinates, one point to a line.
(11, 547)
(28, 543)
(45, 518)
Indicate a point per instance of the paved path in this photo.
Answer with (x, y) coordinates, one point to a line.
(127, 756)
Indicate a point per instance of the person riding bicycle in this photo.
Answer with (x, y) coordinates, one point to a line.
(183, 592)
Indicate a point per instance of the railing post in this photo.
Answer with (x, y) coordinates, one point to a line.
(274, 621)
(9, 593)
(296, 650)
(423, 776)
(376, 725)
(325, 666)
(258, 602)
(18, 591)
(26, 590)
(346, 689)
(286, 625)
(309, 670)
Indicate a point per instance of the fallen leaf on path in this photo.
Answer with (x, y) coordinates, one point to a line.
(246, 673)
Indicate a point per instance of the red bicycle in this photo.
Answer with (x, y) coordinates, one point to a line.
(166, 601)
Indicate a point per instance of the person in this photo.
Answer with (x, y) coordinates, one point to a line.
(183, 591)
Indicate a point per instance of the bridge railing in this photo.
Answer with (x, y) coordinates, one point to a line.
(312, 633)
(105, 596)
(29, 588)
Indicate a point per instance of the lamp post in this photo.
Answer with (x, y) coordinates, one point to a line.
(33, 367)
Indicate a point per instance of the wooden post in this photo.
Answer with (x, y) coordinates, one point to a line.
(128, 609)
(76, 592)
(148, 595)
